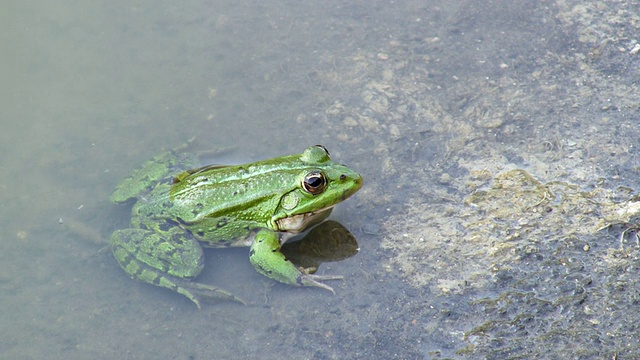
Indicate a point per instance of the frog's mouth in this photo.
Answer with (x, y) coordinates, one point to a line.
(300, 222)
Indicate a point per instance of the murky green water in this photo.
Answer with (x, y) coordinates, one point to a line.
(435, 104)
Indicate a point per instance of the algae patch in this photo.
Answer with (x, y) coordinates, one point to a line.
(455, 245)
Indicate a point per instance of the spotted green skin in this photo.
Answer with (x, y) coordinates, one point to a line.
(179, 211)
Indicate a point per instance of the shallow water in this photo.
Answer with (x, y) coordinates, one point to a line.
(431, 102)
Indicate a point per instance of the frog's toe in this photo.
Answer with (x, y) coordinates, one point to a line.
(315, 280)
(197, 291)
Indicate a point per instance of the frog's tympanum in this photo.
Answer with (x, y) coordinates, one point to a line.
(178, 212)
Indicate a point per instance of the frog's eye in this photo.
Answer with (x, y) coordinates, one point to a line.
(324, 148)
(314, 183)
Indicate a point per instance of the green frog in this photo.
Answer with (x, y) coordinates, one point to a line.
(181, 208)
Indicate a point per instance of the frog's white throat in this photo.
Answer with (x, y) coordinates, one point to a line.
(300, 222)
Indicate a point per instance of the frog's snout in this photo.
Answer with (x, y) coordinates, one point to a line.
(355, 181)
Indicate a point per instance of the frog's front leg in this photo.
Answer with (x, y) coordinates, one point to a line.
(168, 263)
(266, 257)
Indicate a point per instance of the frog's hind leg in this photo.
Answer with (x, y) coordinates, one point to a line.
(167, 263)
(162, 168)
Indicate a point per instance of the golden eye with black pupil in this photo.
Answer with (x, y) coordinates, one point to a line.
(314, 183)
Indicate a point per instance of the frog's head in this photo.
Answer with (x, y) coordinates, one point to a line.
(320, 185)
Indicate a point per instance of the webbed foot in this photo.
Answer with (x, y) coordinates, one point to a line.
(198, 291)
(148, 257)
